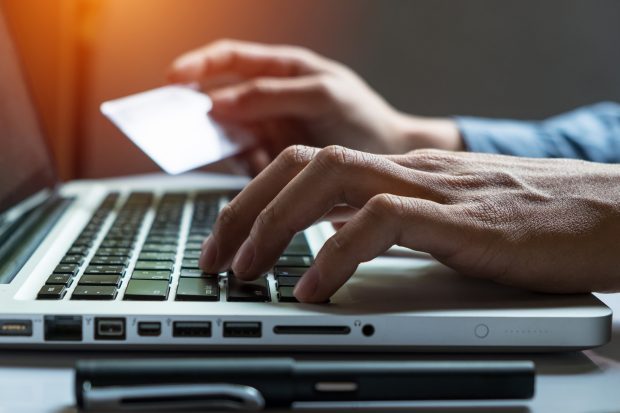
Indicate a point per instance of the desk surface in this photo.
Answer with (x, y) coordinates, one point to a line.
(589, 381)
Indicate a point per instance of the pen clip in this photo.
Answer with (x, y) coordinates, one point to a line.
(211, 396)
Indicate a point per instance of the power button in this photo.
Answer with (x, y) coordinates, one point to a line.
(481, 330)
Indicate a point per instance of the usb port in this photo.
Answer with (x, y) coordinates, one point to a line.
(62, 328)
(242, 329)
(109, 329)
(15, 327)
(149, 328)
(191, 329)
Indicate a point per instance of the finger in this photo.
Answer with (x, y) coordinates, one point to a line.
(246, 59)
(235, 220)
(385, 220)
(335, 176)
(264, 98)
(340, 213)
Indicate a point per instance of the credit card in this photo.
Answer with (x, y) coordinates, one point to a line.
(172, 126)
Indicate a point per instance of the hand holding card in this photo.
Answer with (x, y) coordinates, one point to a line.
(172, 126)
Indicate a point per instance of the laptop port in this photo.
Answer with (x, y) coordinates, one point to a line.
(149, 328)
(312, 330)
(62, 328)
(191, 329)
(242, 329)
(16, 328)
(109, 329)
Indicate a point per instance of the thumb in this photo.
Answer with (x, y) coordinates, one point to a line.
(263, 98)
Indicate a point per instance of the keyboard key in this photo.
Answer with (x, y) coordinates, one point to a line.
(285, 295)
(66, 269)
(238, 290)
(72, 259)
(94, 292)
(83, 242)
(289, 271)
(287, 281)
(157, 256)
(192, 254)
(190, 264)
(193, 273)
(156, 239)
(78, 251)
(151, 275)
(99, 279)
(198, 289)
(155, 265)
(294, 261)
(159, 248)
(196, 238)
(297, 249)
(106, 260)
(114, 252)
(51, 292)
(146, 290)
(193, 246)
(105, 269)
(59, 279)
(116, 244)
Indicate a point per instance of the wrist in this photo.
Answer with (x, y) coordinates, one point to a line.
(416, 132)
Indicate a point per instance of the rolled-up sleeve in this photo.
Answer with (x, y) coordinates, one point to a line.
(591, 133)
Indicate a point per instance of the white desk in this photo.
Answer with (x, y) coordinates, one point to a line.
(35, 381)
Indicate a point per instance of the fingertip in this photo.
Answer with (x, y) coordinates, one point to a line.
(306, 289)
(208, 255)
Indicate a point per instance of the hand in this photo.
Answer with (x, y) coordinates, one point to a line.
(546, 225)
(289, 95)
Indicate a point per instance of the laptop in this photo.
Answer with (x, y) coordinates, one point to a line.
(113, 264)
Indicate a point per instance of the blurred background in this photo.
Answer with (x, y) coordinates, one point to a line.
(520, 59)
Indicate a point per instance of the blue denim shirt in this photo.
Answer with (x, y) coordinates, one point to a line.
(591, 133)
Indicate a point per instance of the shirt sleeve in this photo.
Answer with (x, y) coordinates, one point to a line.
(590, 133)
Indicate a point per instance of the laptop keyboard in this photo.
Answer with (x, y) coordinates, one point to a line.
(164, 265)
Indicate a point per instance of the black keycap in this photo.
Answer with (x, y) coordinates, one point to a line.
(193, 273)
(66, 269)
(99, 279)
(286, 281)
(238, 290)
(196, 238)
(157, 256)
(192, 254)
(193, 246)
(51, 292)
(155, 265)
(59, 279)
(294, 261)
(151, 275)
(147, 290)
(78, 251)
(159, 248)
(114, 252)
(156, 239)
(83, 242)
(190, 264)
(94, 292)
(198, 289)
(289, 271)
(297, 249)
(117, 244)
(72, 259)
(107, 260)
(105, 269)
(285, 295)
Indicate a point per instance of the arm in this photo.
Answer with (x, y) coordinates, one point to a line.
(590, 133)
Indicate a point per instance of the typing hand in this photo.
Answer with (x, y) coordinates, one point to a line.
(546, 225)
(289, 95)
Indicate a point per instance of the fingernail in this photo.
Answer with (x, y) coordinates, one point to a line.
(209, 251)
(243, 259)
(307, 286)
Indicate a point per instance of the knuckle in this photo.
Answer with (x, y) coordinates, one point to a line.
(228, 215)
(266, 218)
(295, 156)
(386, 206)
(324, 86)
(336, 156)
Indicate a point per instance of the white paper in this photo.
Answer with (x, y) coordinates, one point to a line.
(170, 124)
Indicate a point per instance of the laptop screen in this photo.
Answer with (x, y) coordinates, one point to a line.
(25, 164)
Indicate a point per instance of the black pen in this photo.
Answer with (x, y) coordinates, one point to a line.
(256, 384)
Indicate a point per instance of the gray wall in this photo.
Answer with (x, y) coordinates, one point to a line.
(522, 59)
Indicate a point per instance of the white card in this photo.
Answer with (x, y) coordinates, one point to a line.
(170, 124)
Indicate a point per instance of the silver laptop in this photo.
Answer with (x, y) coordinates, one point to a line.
(114, 264)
